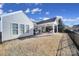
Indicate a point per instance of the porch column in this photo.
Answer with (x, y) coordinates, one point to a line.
(53, 28)
(57, 28)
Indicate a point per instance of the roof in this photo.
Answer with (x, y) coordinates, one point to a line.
(7, 14)
(48, 20)
(16, 15)
(76, 25)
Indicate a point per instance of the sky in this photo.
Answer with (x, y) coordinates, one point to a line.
(44, 11)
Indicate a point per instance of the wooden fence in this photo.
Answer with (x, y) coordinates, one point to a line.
(74, 36)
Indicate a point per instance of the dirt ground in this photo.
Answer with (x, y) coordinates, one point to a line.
(47, 44)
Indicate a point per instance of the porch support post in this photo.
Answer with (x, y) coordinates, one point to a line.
(53, 28)
(57, 28)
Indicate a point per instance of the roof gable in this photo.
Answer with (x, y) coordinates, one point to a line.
(48, 20)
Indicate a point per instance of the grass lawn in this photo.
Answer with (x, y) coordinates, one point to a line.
(40, 45)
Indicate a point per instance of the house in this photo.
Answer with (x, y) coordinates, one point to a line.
(76, 27)
(14, 25)
(54, 25)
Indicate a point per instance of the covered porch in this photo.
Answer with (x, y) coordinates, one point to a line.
(48, 28)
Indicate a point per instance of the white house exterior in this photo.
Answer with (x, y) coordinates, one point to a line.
(14, 25)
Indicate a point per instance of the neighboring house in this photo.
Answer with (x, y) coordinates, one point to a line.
(15, 25)
(76, 27)
(50, 25)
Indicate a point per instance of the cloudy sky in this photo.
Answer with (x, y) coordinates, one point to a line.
(43, 11)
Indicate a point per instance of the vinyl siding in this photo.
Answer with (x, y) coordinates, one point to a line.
(19, 18)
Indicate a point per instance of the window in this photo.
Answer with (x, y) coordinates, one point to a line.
(27, 28)
(15, 28)
(22, 28)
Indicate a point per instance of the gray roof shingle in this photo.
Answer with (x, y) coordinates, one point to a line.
(48, 20)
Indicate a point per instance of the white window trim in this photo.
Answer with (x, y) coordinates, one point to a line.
(12, 29)
(27, 30)
(21, 29)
